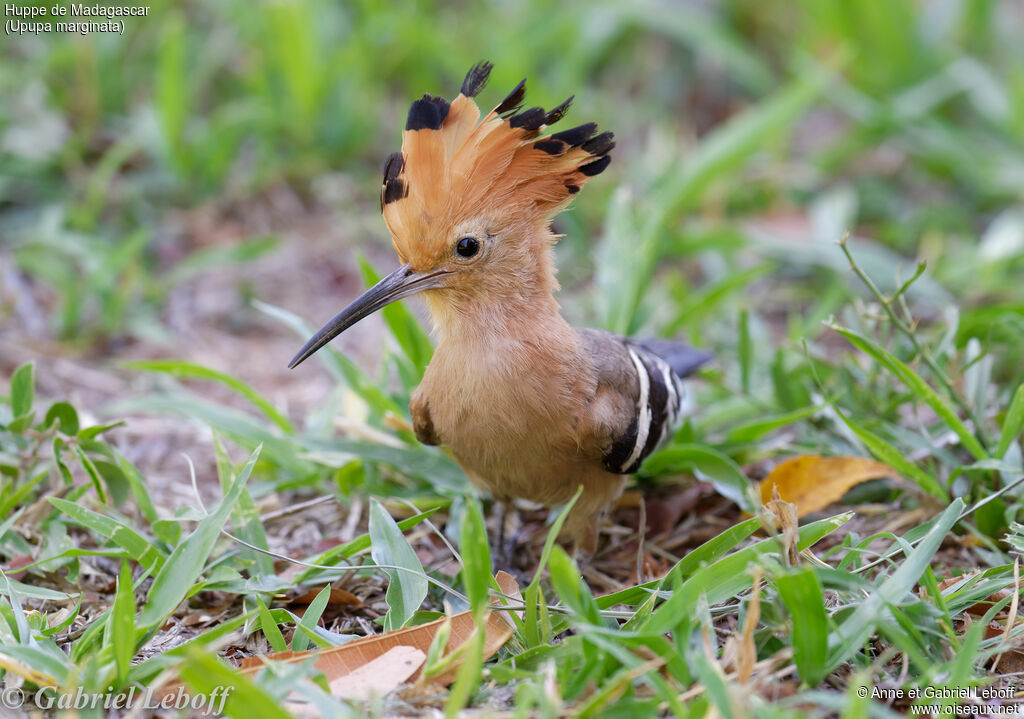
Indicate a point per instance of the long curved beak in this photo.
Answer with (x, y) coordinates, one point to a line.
(400, 283)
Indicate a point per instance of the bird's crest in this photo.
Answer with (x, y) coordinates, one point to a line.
(454, 166)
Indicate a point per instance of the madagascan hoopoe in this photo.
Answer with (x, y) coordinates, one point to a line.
(530, 406)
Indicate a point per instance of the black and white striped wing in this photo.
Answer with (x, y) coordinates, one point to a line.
(661, 406)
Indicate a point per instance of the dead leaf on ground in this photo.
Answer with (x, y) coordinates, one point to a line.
(358, 655)
(780, 516)
(813, 482)
(1011, 661)
(338, 597)
(740, 650)
(383, 674)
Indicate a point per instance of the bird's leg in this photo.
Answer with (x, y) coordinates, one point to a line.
(583, 524)
(500, 510)
(502, 555)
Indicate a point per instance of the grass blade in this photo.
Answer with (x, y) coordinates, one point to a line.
(121, 622)
(1013, 424)
(856, 628)
(181, 570)
(406, 590)
(190, 370)
(802, 594)
(300, 640)
(918, 386)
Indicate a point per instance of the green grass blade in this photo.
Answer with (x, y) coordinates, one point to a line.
(476, 557)
(755, 429)
(406, 589)
(138, 548)
(708, 464)
(171, 89)
(802, 594)
(270, 629)
(549, 541)
(181, 570)
(358, 544)
(727, 577)
(22, 389)
(891, 456)
(310, 618)
(246, 518)
(1013, 424)
(121, 622)
(918, 386)
(205, 673)
(92, 472)
(706, 553)
(190, 370)
(856, 628)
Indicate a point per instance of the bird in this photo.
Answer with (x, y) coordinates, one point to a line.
(530, 406)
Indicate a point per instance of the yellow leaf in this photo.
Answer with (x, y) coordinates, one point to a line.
(813, 482)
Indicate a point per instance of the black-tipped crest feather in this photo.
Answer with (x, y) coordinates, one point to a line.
(596, 167)
(600, 145)
(427, 113)
(393, 188)
(552, 147)
(514, 99)
(430, 113)
(476, 78)
(393, 166)
(557, 113)
(576, 136)
(529, 120)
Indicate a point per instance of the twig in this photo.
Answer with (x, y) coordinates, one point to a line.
(908, 331)
(641, 536)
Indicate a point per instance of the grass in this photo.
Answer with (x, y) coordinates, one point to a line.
(825, 194)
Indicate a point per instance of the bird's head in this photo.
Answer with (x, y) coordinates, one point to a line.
(469, 204)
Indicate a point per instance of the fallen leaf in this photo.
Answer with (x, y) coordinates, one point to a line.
(780, 517)
(376, 678)
(344, 660)
(338, 596)
(380, 676)
(813, 482)
(16, 563)
(740, 650)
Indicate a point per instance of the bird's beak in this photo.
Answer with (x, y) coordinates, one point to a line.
(401, 283)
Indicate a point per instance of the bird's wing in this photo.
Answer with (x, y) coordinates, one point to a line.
(640, 400)
(682, 358)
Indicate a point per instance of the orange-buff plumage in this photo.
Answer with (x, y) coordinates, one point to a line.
(530, 406)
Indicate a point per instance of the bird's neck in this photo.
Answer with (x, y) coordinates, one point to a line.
(526, 314)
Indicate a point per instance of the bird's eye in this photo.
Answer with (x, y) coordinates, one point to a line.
(467, 247)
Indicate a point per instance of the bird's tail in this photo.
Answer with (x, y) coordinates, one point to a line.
(683, 359)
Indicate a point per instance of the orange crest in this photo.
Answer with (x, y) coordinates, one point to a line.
(454, 167)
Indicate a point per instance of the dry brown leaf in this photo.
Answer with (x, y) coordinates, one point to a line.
(337, 597)
(380, 676)
(344, 660)
(781, 517)
(376, 678)
(813, 482)
(747, 650)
